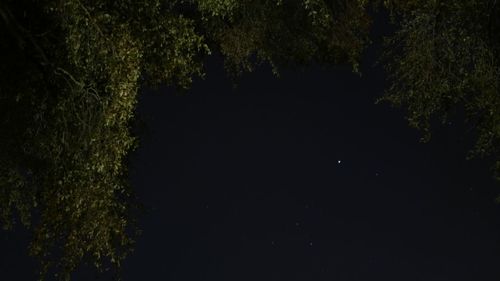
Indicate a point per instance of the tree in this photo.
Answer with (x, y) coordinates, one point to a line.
(69, 79)
(445, 57)
(286, 33)
(71, 70)
(70, 74)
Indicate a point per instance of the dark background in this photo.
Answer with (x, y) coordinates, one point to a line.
(244, 184)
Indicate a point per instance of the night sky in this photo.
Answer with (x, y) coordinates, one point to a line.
(300, 177)
(305, 178)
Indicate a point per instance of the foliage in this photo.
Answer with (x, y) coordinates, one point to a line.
(71, 71)
(69, 86)
(285, 33)
(445, 57)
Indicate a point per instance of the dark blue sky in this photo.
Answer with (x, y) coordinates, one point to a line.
(244, 184)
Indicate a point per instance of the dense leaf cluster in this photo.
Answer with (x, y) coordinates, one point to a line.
(286, 33)
(446, 59)
(70, 74)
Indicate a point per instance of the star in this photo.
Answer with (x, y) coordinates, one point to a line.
(339, 161)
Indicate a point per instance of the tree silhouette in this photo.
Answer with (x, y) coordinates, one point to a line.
(70, 75)
(71, 70)
(445, 58)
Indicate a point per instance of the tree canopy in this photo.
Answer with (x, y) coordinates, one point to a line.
(70, 76)
(444, 59)
(285, 33)
(71, 71)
